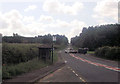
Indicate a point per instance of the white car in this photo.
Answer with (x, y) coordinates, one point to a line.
(70, 50)
(67, 51)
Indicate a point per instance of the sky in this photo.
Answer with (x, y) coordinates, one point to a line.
(64, 17)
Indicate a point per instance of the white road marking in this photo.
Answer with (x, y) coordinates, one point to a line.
(77, 75)
(65, 61)
(73, 71)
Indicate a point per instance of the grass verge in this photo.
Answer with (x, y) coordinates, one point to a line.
(90, 52)
(14, 70)
(59, 47)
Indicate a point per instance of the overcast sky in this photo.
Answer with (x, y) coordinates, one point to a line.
(65, 17)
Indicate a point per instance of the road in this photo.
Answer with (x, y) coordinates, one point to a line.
(84, 68)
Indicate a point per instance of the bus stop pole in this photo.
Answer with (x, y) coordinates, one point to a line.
(52, 52)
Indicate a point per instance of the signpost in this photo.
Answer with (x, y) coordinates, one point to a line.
(54, 39)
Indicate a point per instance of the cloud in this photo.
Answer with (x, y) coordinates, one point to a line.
(3, 22)
(28, 19)
(31, 7)
(54, 6)
(14, 22)
(10, 19)
(76, 28)
(62, 24)
(44, 18)
(106, 9)
(13, 14)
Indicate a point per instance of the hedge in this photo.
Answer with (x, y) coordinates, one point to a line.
(17, 53)
(112, 53)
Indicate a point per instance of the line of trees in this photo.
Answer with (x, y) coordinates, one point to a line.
(46, 39)
(98, 36)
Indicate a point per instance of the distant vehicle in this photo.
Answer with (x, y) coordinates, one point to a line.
(66, 51)
(73, 51)
(83, 50)
(70, 50)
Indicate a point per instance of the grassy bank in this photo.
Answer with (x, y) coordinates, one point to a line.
(21, 58)
(14, 70)
(58, 48)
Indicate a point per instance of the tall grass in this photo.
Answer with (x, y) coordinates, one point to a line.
(14, 70)
(17, 53)
(22, 58)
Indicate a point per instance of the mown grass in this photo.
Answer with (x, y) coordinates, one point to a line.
(90, 52)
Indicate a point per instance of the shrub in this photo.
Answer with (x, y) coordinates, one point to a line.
(17, 53)
(112, 53)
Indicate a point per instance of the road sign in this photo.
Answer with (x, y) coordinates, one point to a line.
(54, 38)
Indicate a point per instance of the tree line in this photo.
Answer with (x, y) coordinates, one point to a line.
(46, 39)
(98, 36)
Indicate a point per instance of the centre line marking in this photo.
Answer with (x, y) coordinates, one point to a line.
(73, 71)
(77, 75)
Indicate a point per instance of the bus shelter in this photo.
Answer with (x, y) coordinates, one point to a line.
(45, 52)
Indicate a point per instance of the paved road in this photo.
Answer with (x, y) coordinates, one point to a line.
(84, 68)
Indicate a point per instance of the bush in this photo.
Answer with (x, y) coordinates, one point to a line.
(17, 53)
(21, 58)
(112, 53)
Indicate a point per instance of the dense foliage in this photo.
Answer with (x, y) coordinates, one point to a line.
(20, 58)
(46, 39)
(98, 36)
(112, 53)
(17, 53)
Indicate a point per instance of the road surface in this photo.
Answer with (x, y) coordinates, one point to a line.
(84, 68)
